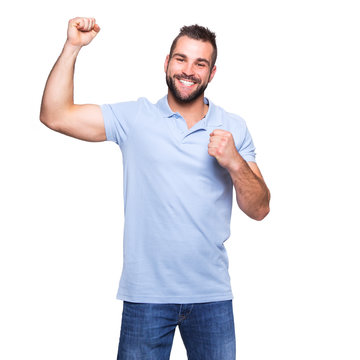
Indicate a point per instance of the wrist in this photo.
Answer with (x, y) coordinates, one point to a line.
(71, 49)
(235, 166)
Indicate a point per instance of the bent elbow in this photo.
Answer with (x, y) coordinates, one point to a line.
(44, 118)
(264, 210)
(47, 120)
(261, 213)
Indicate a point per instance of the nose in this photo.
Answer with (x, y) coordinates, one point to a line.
(188, 69)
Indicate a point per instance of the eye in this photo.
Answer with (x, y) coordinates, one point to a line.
(201, 64)
(180, 59)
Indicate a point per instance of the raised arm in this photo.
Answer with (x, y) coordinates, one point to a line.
(58, 111)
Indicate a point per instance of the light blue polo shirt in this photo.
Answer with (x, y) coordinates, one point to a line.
(177, 202)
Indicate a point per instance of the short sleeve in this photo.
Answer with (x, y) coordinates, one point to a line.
(118, 119)
(247, 147)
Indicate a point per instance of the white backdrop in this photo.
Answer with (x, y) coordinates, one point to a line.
(290, 68)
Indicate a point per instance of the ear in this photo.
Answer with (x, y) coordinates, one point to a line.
(166, 62)
(212, 74)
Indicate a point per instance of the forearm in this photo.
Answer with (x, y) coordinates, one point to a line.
(58, 95)
(252, 194)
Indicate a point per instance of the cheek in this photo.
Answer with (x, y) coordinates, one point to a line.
(205, 75)
(173, 69)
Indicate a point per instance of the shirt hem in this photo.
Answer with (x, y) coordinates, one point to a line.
(175, 299)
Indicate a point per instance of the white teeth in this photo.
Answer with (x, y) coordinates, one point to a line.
(187, 83)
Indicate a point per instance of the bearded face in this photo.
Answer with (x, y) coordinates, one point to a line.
(188, 70)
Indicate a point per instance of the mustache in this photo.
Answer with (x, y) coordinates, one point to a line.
(187, 77)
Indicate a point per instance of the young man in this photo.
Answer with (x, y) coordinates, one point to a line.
(181, 159)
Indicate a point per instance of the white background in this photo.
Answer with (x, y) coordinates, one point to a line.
(290, 68)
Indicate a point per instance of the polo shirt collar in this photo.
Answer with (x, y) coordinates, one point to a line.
(211, 118)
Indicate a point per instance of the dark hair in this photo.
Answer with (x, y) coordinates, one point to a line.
(197, 32)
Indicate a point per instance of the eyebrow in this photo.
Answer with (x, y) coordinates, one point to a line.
(198, 59)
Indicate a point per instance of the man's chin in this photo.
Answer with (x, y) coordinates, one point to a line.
(187, 98)
(184, 98)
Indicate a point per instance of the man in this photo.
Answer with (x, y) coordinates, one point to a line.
(181, 159)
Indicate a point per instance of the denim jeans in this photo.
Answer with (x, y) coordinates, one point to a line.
(207, 330)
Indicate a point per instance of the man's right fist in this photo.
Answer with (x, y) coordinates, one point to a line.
(81, 31)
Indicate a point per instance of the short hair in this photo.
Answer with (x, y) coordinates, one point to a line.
(197, 32)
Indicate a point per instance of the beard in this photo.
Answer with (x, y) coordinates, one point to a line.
(185, 99)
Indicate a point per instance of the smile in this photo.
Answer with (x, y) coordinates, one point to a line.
(187, 83)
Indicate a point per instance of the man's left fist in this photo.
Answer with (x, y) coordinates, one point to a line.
(222, 148)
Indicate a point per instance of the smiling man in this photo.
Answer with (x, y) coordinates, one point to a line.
(182, 158)
(185, 86)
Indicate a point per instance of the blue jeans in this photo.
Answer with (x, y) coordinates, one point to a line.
(207, 330)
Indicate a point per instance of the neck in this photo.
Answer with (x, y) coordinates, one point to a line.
(192, 112)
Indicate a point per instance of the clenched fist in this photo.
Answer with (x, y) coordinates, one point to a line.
(222, 147)
(81, 31)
